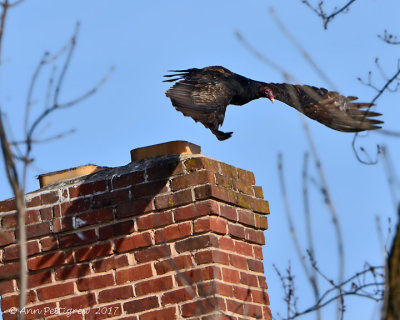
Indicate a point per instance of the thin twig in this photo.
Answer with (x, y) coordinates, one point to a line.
(313, 275)
(289, 217)
(377, 96)
(321, 13)
(13, 179)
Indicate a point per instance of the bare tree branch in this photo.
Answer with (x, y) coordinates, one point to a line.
(389, 38)
(326, 18)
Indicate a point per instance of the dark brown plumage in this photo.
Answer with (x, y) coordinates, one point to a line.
(204, 94)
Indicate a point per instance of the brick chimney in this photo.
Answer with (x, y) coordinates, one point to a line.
(172, 235)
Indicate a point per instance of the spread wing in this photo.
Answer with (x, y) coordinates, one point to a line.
(201, 96)
(327, 107)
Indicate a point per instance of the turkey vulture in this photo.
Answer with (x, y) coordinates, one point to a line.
(204, 94)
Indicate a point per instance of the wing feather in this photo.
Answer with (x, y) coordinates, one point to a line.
(328, 107)
(202, 98)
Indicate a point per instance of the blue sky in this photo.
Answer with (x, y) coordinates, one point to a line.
(145, 39)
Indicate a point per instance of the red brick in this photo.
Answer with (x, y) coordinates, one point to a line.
(261, 222)
(267, 313)
(225, 182)
(12, 252)
(134, 207)
(38, 279)
(200, 242)
(77, 239)
(164, 314)
(6, 287)
(96, 282)
(49, 243)
(231, 276)
(72, 272)
(31, 216)
(104, 312)
(136, 273)
(243, 248)
(139, 305)
(228, 170)
(198, 275)
(87, 300)
(153, 286)
(253, 311)
(237, 231)
(216, 192)
(178, 296)
(203, 306)
(9, 302)
(127, 180)
(260, 206)
(99, 250)
(210, 224)
(255, 236)
(32, 201)
(49, 197)
(6, 237)
(110, 198)
(9, 270)
(174, 232)
(37, 230)
(235, 306)
(55, 291)
(212, 256)
(46, 214)
(115, 294)
(114, 262)
(246, 176)
(93, 217)
(247, 217)
(220, 316)
(195, 164)
(248, 279)
(190, 180)
(153, 253)
(71, 207)
(7, 205)
(242, 294)
(260, 297)
(262, 283)
(9, 221)
(87, 189)
(46, 261)
(149, 189)
(12, 301)
(255, 265)
(238, 262)
(195, 210)
(211, 288)
(116, 229)
(173, 200)
(133, 242)
(174, 264)
(258, 192)
(244, 187)
(154, 220)
(226, 244)
(164, 170)
(258, 252)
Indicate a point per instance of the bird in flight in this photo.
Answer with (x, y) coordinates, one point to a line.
(204, 94)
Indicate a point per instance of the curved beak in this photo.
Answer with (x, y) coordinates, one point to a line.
(272, 99)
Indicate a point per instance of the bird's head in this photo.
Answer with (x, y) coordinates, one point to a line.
(266, 92)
